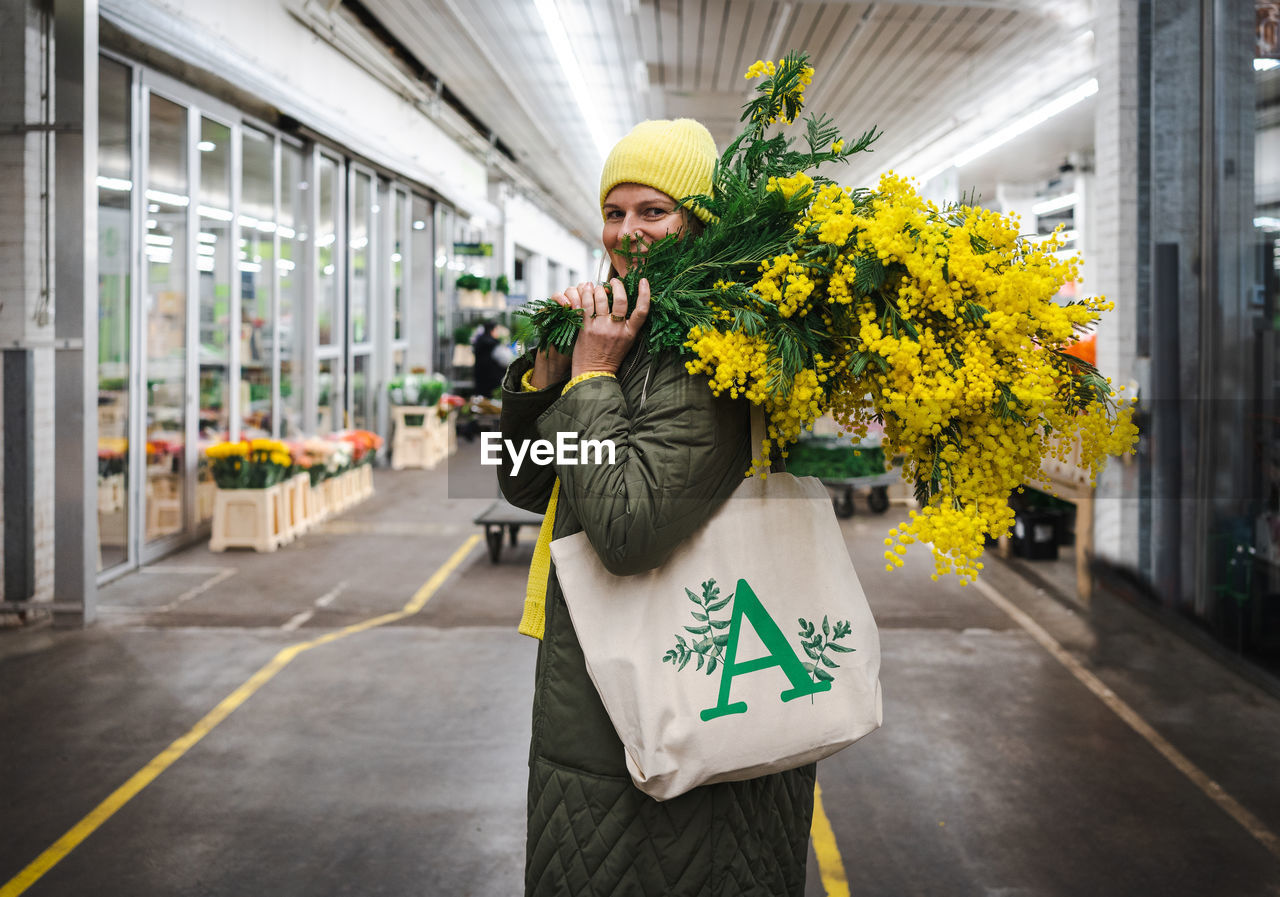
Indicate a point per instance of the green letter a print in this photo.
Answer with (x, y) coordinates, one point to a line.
(746, 604)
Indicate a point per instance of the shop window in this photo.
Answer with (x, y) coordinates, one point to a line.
(361, 228)
(115, 194)
(292, 238)
(326, 253)
(165, 263)
(398, 266)
(422, 272)
(213, 266)
(360, 392)
(256, 270)
(326, 388)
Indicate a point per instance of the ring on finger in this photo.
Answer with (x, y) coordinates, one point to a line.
(617, 319)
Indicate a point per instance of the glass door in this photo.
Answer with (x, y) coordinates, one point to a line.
(213, 262)
(256, 271)
(165, 293)
(328, 307)
(361, 286)
(115, 304)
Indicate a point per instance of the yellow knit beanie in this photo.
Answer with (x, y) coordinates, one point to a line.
(677, 157)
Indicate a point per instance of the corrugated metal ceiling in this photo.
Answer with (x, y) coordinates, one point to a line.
(917, 70)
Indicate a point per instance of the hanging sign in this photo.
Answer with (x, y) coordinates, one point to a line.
(484, 249)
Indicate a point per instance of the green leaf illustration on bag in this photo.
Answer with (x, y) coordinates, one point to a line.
(816, 644)
(714, 648)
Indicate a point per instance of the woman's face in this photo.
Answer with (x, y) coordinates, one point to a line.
(641, 212)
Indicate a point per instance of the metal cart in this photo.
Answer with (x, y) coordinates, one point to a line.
(500, 516)
(877, 487)
(843, 489)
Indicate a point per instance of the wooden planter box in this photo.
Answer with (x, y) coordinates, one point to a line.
(110, 493)
(316, 509)
(421, 445)
(250, 518)
(363, 481)
(296, 491)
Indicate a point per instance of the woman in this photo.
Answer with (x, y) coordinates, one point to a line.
(680, 452)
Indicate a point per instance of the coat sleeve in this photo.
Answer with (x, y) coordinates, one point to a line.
(676, 459)
(531, 489)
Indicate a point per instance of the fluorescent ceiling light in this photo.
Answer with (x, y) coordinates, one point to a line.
(173, 199)
(114, 183)
(567, 56)
(1024, 123)
(1056, 204)
(1265, 65)
(215, 214)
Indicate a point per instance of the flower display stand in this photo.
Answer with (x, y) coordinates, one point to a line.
(332, 495)
(206, 493)
(249, 518)
(164, 504)
(417, 445)
(110, 493)
(296, 490)
(363, 481)
(316, 507)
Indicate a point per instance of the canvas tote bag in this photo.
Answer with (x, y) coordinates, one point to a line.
(751, 650)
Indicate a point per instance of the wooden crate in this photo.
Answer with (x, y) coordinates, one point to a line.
(250, 518)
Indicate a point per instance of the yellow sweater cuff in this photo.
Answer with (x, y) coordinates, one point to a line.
(587, 376)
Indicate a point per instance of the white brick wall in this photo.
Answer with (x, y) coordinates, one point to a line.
(1113, 250)
(21, 226)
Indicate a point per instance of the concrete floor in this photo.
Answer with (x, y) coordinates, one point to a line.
(392, 761)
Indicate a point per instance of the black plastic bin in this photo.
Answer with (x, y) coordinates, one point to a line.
(1037, 533)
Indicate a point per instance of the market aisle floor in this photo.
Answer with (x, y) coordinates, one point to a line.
(392, 761)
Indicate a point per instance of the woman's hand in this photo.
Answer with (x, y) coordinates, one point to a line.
(549, 364)
(607, 333)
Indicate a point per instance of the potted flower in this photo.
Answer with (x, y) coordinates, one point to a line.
(250, 507)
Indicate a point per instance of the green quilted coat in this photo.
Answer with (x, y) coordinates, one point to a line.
(680, 453)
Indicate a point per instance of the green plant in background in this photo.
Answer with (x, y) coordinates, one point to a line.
(417, 389)
(503, 285)
(473, 282)
(827, 461)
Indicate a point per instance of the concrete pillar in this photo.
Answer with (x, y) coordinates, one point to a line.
(1114, 253)
(76, 284)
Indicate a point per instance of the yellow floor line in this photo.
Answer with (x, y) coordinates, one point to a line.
(830, 867)
(1252, 824)
(170, 755)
